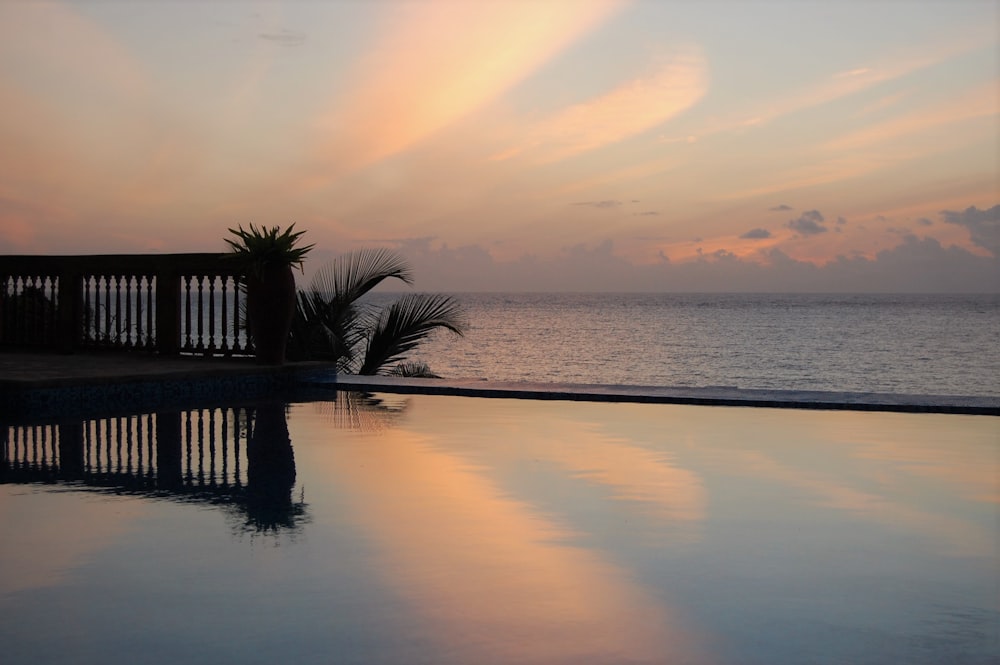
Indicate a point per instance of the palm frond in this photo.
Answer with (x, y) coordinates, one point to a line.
(413, 370)
(330, 323)
(404, 324)
(325, 329)
(352, 275)
(258, 248)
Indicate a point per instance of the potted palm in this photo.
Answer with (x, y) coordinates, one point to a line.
(267, 256)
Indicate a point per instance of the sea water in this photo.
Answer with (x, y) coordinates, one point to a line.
(916, 344)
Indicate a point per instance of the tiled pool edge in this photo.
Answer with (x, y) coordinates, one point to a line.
(708, 396)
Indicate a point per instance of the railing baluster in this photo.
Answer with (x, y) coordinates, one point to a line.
(187, 313)
(50, 310)
(116, 339)
(150, 307)
(86, 309)
(201, 312)
(224, 334)
(19, 294)
(128, 311)
(211, 312)
(106, 333)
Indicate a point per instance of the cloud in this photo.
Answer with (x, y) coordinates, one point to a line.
(847, 83)
(756, 234)
(599, 204)
(629, 109)
(977, 102)
(284, 37)
(916, 265)
(808, 223)
(433, 63)
(781, 208)
(983, 226)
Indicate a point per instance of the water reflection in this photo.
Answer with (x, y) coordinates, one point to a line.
(271, 472)
(238, 458)
(455, 530)
(362, 411)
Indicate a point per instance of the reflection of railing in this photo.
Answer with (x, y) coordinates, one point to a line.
(237, 456)
(168, 303)
(196, 450)
(230, 456)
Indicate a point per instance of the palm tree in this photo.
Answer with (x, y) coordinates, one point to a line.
(331, 323)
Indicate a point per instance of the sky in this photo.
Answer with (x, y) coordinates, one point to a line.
(542, 145)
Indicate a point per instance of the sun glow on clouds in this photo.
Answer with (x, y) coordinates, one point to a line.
(433, 63)
(627, 110)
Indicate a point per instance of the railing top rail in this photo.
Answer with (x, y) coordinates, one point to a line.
(140, 264)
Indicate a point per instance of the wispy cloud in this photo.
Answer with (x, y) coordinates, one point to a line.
(629, 109)
(978, 102)
(599, 204)
(838, 86)
(435, 62)
(284, 37)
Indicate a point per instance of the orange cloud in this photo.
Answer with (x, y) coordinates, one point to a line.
(979, 102)
(626, 111)
(838, 86)
(434, 62)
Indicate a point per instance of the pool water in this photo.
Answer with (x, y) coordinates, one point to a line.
(429, 529)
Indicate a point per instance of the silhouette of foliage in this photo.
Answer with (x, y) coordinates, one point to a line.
(333, 323)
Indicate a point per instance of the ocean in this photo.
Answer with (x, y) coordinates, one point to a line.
(916, 344)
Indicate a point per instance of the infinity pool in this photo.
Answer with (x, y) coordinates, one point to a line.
(447, 530)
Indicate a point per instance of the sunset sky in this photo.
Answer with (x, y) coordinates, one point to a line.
(519, 145)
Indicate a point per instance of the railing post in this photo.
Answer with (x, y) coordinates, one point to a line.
(168, 312)
(69, 311)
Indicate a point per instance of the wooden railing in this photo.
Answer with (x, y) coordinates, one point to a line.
(162, 303)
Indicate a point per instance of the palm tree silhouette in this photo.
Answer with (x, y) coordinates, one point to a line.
(331, 323)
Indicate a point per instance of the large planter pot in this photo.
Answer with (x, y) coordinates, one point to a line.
(270, 308)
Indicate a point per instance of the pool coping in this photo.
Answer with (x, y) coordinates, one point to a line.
(66, 385)
(707, 396)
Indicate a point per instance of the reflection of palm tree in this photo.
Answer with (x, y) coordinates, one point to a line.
(270, 471)
(363, 412)
(330, 323)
